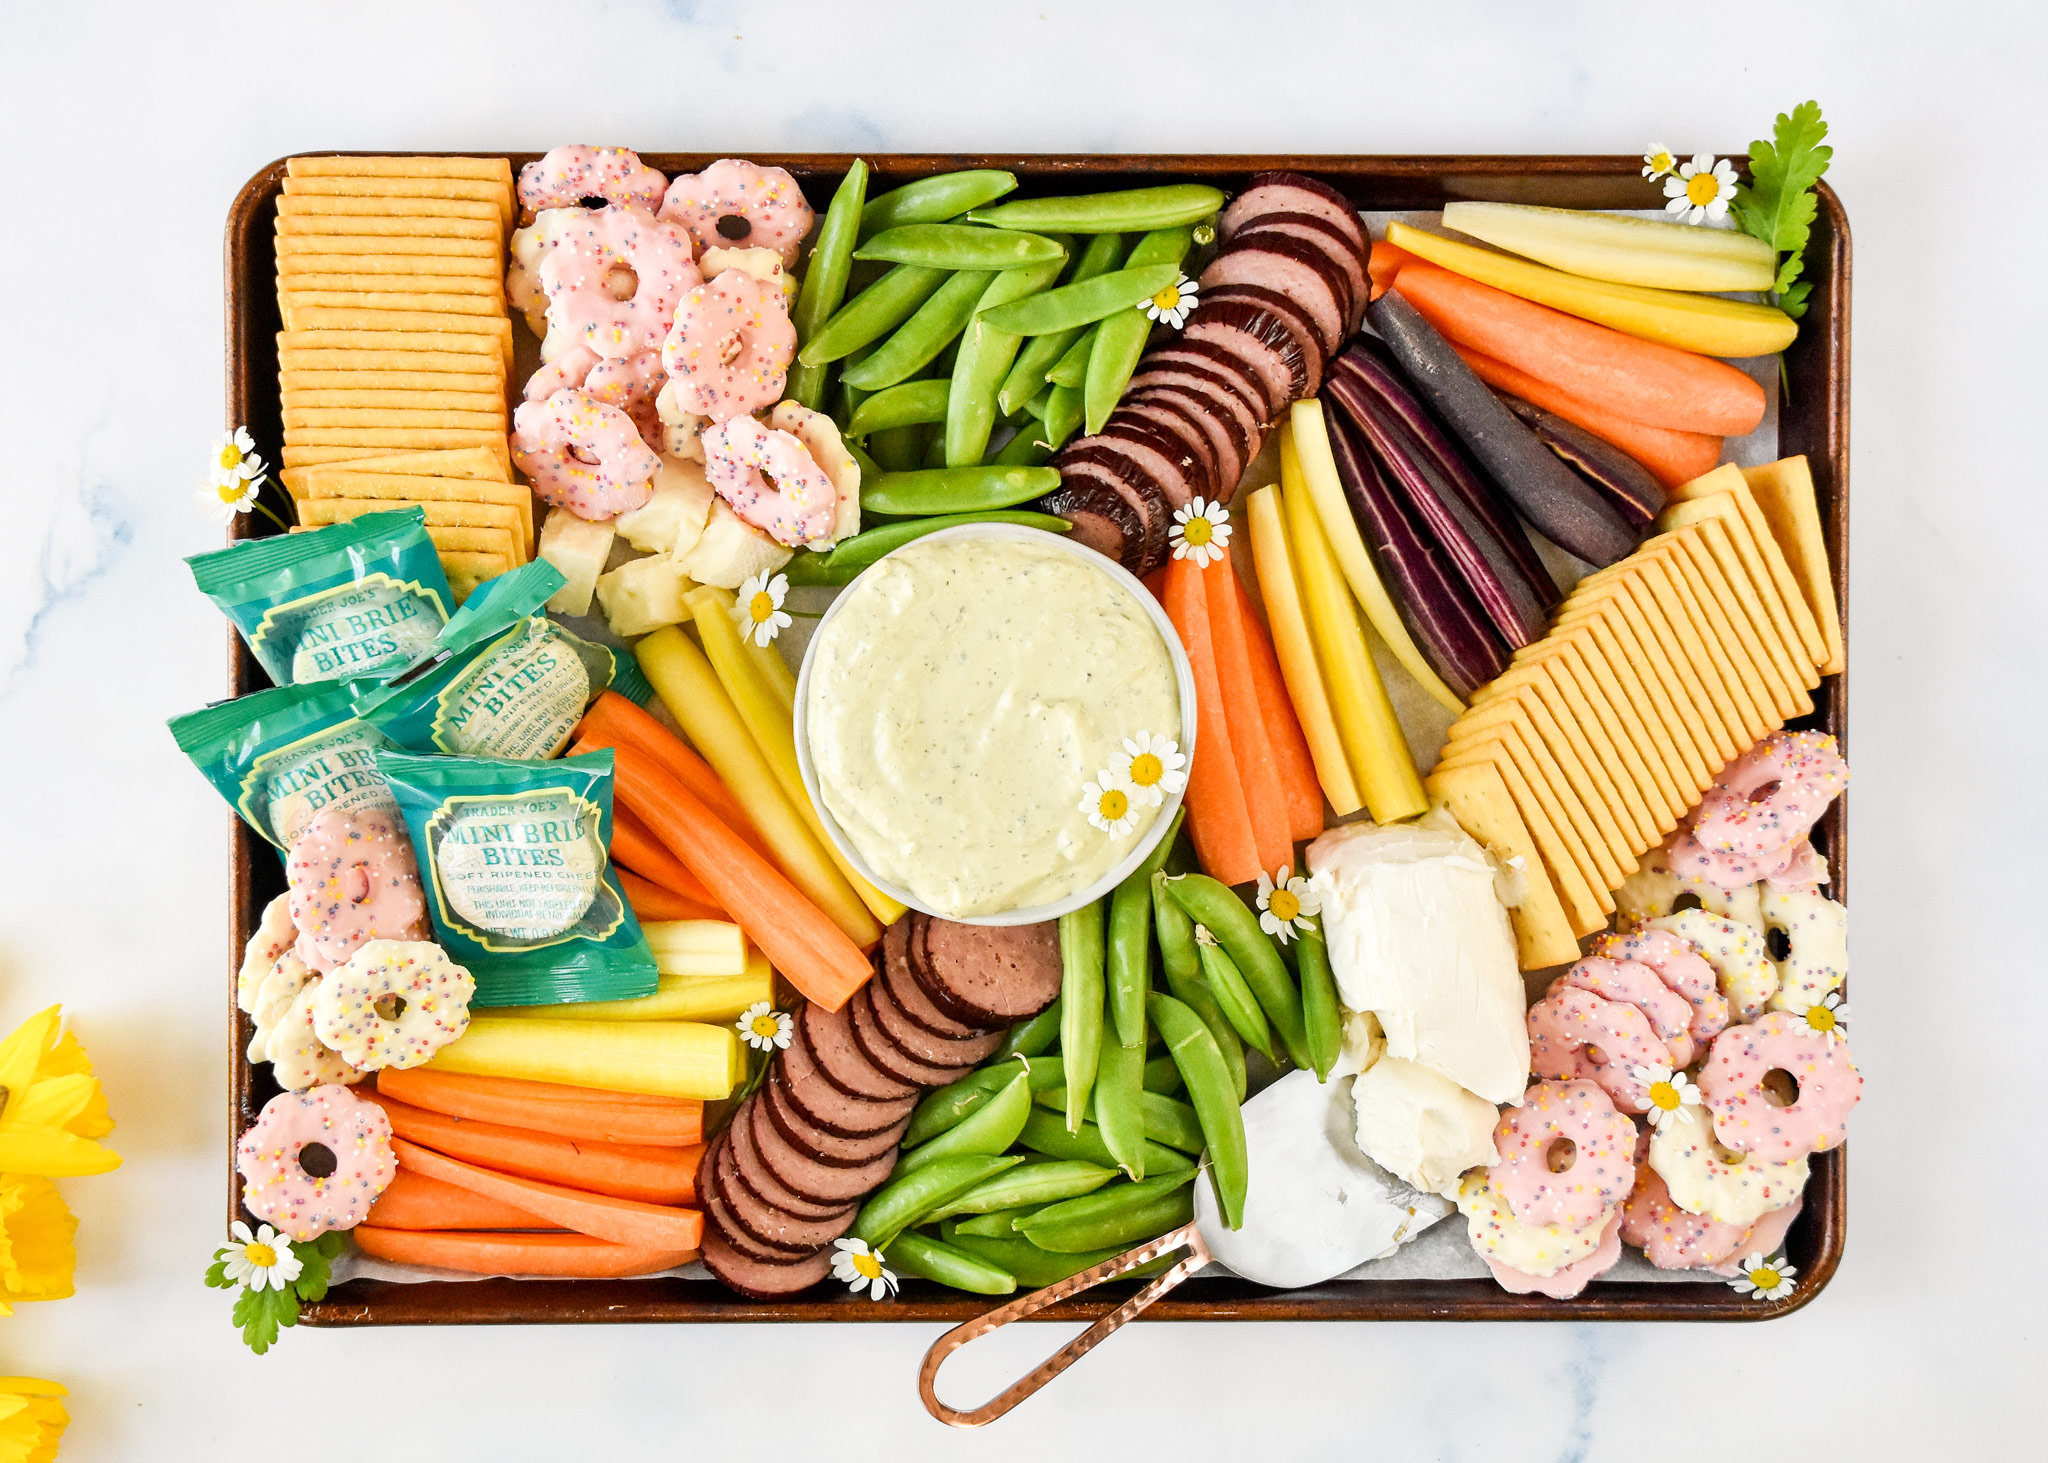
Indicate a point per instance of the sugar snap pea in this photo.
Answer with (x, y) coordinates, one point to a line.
(955, 489)
(899, 406)
(1167, 1121)
(960, 246)
(995, 1224)
(1129, 966)
(1032, 1185)
(1178, 957)
(919, 340)
(934, 451)
(1031, 1265)
(843, 563)
(1236, 928)
(1212, 1090)
(986, 352)
(1226, 982)
(1120, 339)
(1075, 305)
(1047, 1134)
(1117, 1103)
(930, 1259)
(1081, 961)
(1027, 374)
(1025, 450)
(935, 199)
(945, 1107)
(1121, 1215)
(905, 1199)
(1161, 1075)
(990, 1129)
(872, 313)
(1322, 1023)
(899, 449)
(1124, 212)
(1031, 1037)
(824, 286)
(1071, 369)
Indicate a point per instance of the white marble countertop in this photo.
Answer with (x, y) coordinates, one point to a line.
(116, 890)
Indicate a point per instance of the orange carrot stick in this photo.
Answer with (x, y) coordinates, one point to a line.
(1218, 820)
(639, 850)
(439, 1091)
(1283, 729)
(622, 1221)
(1258, 771)
(414, 1201)
(622, 1170)
(624, 723)
(799, 939)
(1638, 379)
(670, 1123)
(652, 901)
(574, 1256)
(1387, 261)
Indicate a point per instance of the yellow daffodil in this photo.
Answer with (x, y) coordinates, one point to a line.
(31, 1420)
(51, 1105)
(36, 1257)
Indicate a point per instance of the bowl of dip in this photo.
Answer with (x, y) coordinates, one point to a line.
(956, 700)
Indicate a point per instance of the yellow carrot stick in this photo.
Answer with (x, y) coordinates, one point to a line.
(773, 670)
(769, 722)
(689, 688)
(667, 1058)
(696, 946)
(714, 998)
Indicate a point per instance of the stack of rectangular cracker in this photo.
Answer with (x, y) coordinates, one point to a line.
(396, 346)
(1656, 673)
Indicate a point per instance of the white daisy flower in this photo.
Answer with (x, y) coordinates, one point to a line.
(1172, 304)
(1830, 1018)
(1672, 1094)
(862, 1268)
(263, 1260)
(1153, 766)
(1201, 531)
(1285, 904)
(1763, 1279)
(1110, 803)
(235, 456)
(1658, 161)
(758, 609)
(1702, 190)
(225, 498)
(764, 1028)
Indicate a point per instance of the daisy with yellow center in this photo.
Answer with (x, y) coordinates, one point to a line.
(1672, 1095)
(235, 457)
(1702, 190)
(1658, 161)
(1763, 1279)
(1154, 767)
(758, 611)
(1110, 803)
(36, 1257)
(1829, 1019)
(1285, 903)
(1172, 304)
(260, 1260)
(862, 1268)
(31, 1419)
(764, 1028)
(1200, 531)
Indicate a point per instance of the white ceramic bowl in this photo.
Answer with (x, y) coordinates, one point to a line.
(1184, 682)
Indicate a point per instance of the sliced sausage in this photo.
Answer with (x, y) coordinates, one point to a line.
(760, 1279)
(761, 1181)
(826, 1106)
(1265, 343)
(1272, 193)
(1172, 464)
(899, 942)
(821, 1183)
(1195, 444)
(1103, 518)
(773, 1228)
(994, 974)
(891, 1058)
(814, 1140)
(1223, 373)
(1296, 269)
(914, 1041)
(1288, 314)
(752, 1226)
(829, 1034)
(1150, 511)
(1217, 427)
(1334, 243)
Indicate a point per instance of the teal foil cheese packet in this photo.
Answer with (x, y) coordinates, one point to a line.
(501, 679)
(282, 757)
(352, 600)
(519, 882)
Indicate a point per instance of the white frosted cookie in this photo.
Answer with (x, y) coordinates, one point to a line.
(1816, 931)
(1738, 952)
(1704, 1178)
(1533, 1249)
(274, 935)
(1654, 890)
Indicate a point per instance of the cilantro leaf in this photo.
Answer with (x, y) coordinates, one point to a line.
(1793, 300)
(315, 1269)
(1777, 204)
(217, 1276)
(261, 1313)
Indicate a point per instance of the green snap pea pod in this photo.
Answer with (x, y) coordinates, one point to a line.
(1236, 928)
(1166, 1121)
(935, 199)
(918, 341)
(1178, 957)
(899, 449)
(1024, 450)
(872, 313)
(807, 568)
(1032, 1185)
(1027, 374)
(1031, 1037)
(907, 1198)
(1127, 212)
(1162, 1076)
(1047, 1134)
(1037, 405)
(1129, 966)
(899, 406)
(930, 1259)
(955, 489)
(1121, 1215)
(1322, 1022)
(1071, 369)
(1063, 414)
(1213, 1092)
(824, 287)
(986, 351)
(843, 563)
(1117, 1103)
(1120, 339)
(1032, 1266)
(990, 1129)
(935, 452)
(996, 1224)
(1226, 982)
(947, 1107)
(1081, 960)
(1074, 305)
(961, 246)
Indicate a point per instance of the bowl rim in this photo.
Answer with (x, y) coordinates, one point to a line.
(1184, 683)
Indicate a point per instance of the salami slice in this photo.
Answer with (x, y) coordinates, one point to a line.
(993, 974)
(761, 1279)
(829, 1035)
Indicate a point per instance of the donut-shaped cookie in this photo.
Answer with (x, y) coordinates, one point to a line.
(730, 347)
(1655, 889)
(577, 174)
(1816, 934)
(352, 880)
(736, 205)
(1739, 954)
(1692, 860)
(614, 279)
(1680, 966)
(770, 480)
(298, 1058)
(528, 247)
(1575, 1034)
(1634, 982)
(1747, 1113)
(1566, 1156)
(394, 1004)
(273, 996)
(315, 1161)
(682, 431)
(1770, 796)
(583, 454)
(1533, 1249)
(275, 934)
(567, 371)
(1670, 1237)
(1765, 1237)
(1704, 1177)
(1566, 1283)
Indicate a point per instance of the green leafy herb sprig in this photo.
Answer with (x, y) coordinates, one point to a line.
(1777, 204)
(263, 1313)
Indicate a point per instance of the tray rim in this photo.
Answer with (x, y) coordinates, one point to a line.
(1822, 355)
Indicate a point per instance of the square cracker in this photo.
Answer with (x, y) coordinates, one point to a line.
(1643, 761)
(1796, 661)
(1702, 648)
(469, 266)
(1785, 496)
(396, 398)
(332, 454)
(317, 205)
(1760, 546)
(1753, 593)
(486, 464)
(1612, 683)
(1555, 762)
(1636, 656)
(380, 418)
(479, 383)
(1699, 714)
(484, 190)
(343, 483)
(336, 165)
(467, 569)
(484, 286)
(1478, 797)
(409, 323)
(1543, 811)
(441, 513)
(358, 226)
(1544, 714)
(399, 246)
(388, 439)
(292, 299)
(1771, 686)
(1630, 805)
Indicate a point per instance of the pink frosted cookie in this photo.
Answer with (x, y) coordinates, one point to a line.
(395, 1004)
(583, 454)
(613, 280)
(629, 383)
(1533, 1249)
(1634, 982)
(1765, 1237)
(736, 205)
(1576, 1034)
(528, 246)
(730, 347)
(577, 175)
(1747, 1111)
(1738, 953)
(770, 479)
(1566, 1283)
(1752, 824)
(1670, 1237)
(352, 879)
(1565, 1155)
(566, 372)
(1679, 964)
(274, 935)
(315, 1161)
